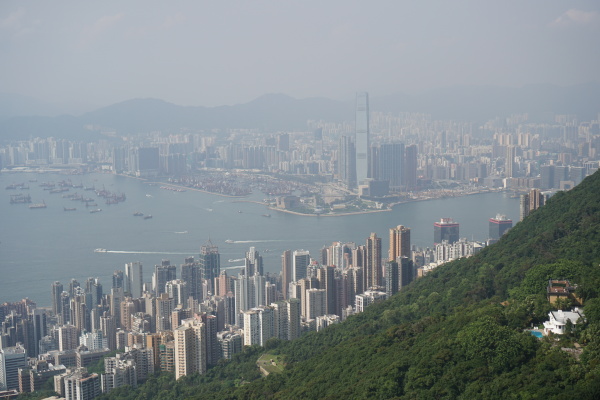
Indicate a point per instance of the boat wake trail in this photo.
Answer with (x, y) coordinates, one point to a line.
(145, 252)
(254, 241)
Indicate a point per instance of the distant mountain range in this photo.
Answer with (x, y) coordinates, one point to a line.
(22, 117)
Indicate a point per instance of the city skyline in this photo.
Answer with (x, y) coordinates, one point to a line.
(187, 181)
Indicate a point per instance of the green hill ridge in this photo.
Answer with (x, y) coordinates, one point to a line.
(459, 332)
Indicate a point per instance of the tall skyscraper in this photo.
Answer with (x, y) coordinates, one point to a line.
(57, 289)
(399, 242)
(190, 348)
(523, 206)
(162, 274)
(251, 327)
(293, 311)
(265, 317)
(212, 345)
(39, 329)
(361, 141)
(547, 176)
(410, 167)
(190, 273)
(499, 225)
(249, 293)
(280, 320)
(300, 262)
(118, 279)
(286, 272)
(530, 202)
(93, 289)
(164, 308)
(108, 326)
(327, 281)
(561, 173)
(147, 161)
(509, 168)
(258, 325)
(391, 277)
(373, 258)
(134, 279)
(73, 285)
(389, 164)
(223, 285)
(445, 229)
(405, 272)
(536, 199)
(316, 303)
(210, 263)
(253, 262)
(116, 297)
(79, 312)
(347, 162)
(177, 289)
(68, 337)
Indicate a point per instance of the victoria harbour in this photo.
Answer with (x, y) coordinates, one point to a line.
(40, 246)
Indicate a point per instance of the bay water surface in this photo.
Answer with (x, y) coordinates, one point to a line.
(40, 246)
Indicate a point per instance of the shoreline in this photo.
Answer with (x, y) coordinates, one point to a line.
(329, 215)
(311, 215)
(241, 198)
(198, 190)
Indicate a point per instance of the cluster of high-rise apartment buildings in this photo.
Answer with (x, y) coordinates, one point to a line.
(185, 318)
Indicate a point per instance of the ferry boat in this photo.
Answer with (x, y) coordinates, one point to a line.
(100, 251)
(229, 241)
(38, 205)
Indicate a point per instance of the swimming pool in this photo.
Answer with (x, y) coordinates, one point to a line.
(537, 334)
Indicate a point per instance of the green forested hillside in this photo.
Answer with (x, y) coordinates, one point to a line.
(456, 333)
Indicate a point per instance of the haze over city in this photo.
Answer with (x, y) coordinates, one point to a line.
(81, 56)
(299, 200)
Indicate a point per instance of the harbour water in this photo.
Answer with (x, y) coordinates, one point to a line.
(41, 245)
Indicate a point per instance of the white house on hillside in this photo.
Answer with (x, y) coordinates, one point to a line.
(558, 320)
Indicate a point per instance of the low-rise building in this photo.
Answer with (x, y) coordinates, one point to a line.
(562, 289)
(559, 319)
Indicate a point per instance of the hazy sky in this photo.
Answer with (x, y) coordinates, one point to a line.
(226, 52)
